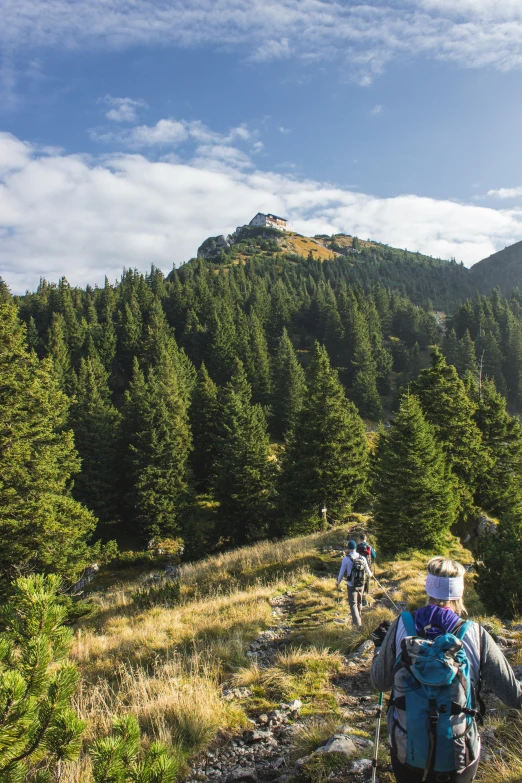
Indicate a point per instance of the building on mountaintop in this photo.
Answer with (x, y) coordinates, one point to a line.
(272, 221)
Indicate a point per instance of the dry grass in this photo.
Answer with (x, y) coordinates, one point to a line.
(506, 764)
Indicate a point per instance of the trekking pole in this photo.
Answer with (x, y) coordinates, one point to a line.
(386, 593)
(377, 734)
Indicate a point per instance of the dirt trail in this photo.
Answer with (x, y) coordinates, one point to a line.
(263, 753)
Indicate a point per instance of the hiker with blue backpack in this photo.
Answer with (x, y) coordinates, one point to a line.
(434, 663)
(357, 572)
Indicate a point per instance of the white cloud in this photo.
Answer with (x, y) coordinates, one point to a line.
(364, 36)
(506, 193)
(284, 130)
(376, 109)
(84, 216)
(123, 109)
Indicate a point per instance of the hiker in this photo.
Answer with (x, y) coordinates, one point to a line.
(366, 550)
(357, 571)
(435, 680)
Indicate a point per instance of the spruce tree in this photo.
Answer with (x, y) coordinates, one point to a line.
(243, 473)
(41, 525)
(364, 370)
(158, 443)
(326, 456)
(413, 487)
(500, 489)
(58, 352)
(467, 359)
(95, 422)
(204, 417)
(499, 582)
(449, 409)
(288, 387)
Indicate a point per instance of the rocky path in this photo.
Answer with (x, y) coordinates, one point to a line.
(263, 753)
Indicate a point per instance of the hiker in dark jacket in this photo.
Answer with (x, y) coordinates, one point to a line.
(352, 567)
(442, 615)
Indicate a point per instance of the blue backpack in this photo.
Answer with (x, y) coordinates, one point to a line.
(432, 719)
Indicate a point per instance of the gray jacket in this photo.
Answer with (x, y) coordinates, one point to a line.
(487, 663)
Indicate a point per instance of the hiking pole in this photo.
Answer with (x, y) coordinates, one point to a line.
(377, 734)
(386, 593)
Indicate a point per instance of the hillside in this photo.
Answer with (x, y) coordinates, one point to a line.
(425, 280)
(254, 667)
(501, 270)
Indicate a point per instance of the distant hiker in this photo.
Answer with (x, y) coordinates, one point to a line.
(434, 662)
(367, 551)
(357, 572)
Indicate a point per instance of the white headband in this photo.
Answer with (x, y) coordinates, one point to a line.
(445, 588)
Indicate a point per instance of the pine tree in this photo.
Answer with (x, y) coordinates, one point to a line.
(58, 351)
(158, 442)
(204, 415)
(95, 422)
(414, 490)
(41, 525)
(244, 477)
(326, 455)
(500, 489)
(450, 348)
(288, 387)
(499, 582)
(260, 379)
(448, 408)
(467, 359)
(37, 682)
(364, 369)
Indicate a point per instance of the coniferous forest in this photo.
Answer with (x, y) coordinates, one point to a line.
(236, 397)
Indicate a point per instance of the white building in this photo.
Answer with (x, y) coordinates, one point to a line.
(272, 221)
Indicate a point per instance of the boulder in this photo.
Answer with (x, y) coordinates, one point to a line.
(361, 766)
(339, 743)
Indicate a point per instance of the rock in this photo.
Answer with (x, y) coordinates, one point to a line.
(517, 627)
(263, 719)
(212, 246)
(257, 736)
(364, 646)
(361, 766)
(339, 743)
(295, 706)
(362, 743)
(242, 775)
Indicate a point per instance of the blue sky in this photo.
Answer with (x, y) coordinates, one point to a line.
(131, 131)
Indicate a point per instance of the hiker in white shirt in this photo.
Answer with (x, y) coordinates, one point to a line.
(357, 571)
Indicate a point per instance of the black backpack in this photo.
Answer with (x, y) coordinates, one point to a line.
(358, 574)
(365, 550)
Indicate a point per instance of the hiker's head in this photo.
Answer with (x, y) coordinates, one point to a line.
(445, 584)
(352, 546)
(362, 537)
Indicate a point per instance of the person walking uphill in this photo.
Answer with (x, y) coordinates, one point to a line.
(434, 662)
(357, 571)
(366, 550)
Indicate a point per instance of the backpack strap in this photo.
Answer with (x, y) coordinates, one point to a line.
(462, 629)
(409, 623)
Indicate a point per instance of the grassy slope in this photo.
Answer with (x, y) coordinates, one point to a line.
(167, 665)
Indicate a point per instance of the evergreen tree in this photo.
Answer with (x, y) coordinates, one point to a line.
(326, 455)
(414, 490)
(204, 414)
(288, 387)
(500, 489)
(450, 348)
(260, 379)
(37, 682)
(467, 359)
(41, 525)
(499, 582)
(58, 351)
(364, 387)
(448, 408)
(244, 477)
(95, 422)
(158, 442)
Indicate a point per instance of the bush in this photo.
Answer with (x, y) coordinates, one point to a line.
(165, 593)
